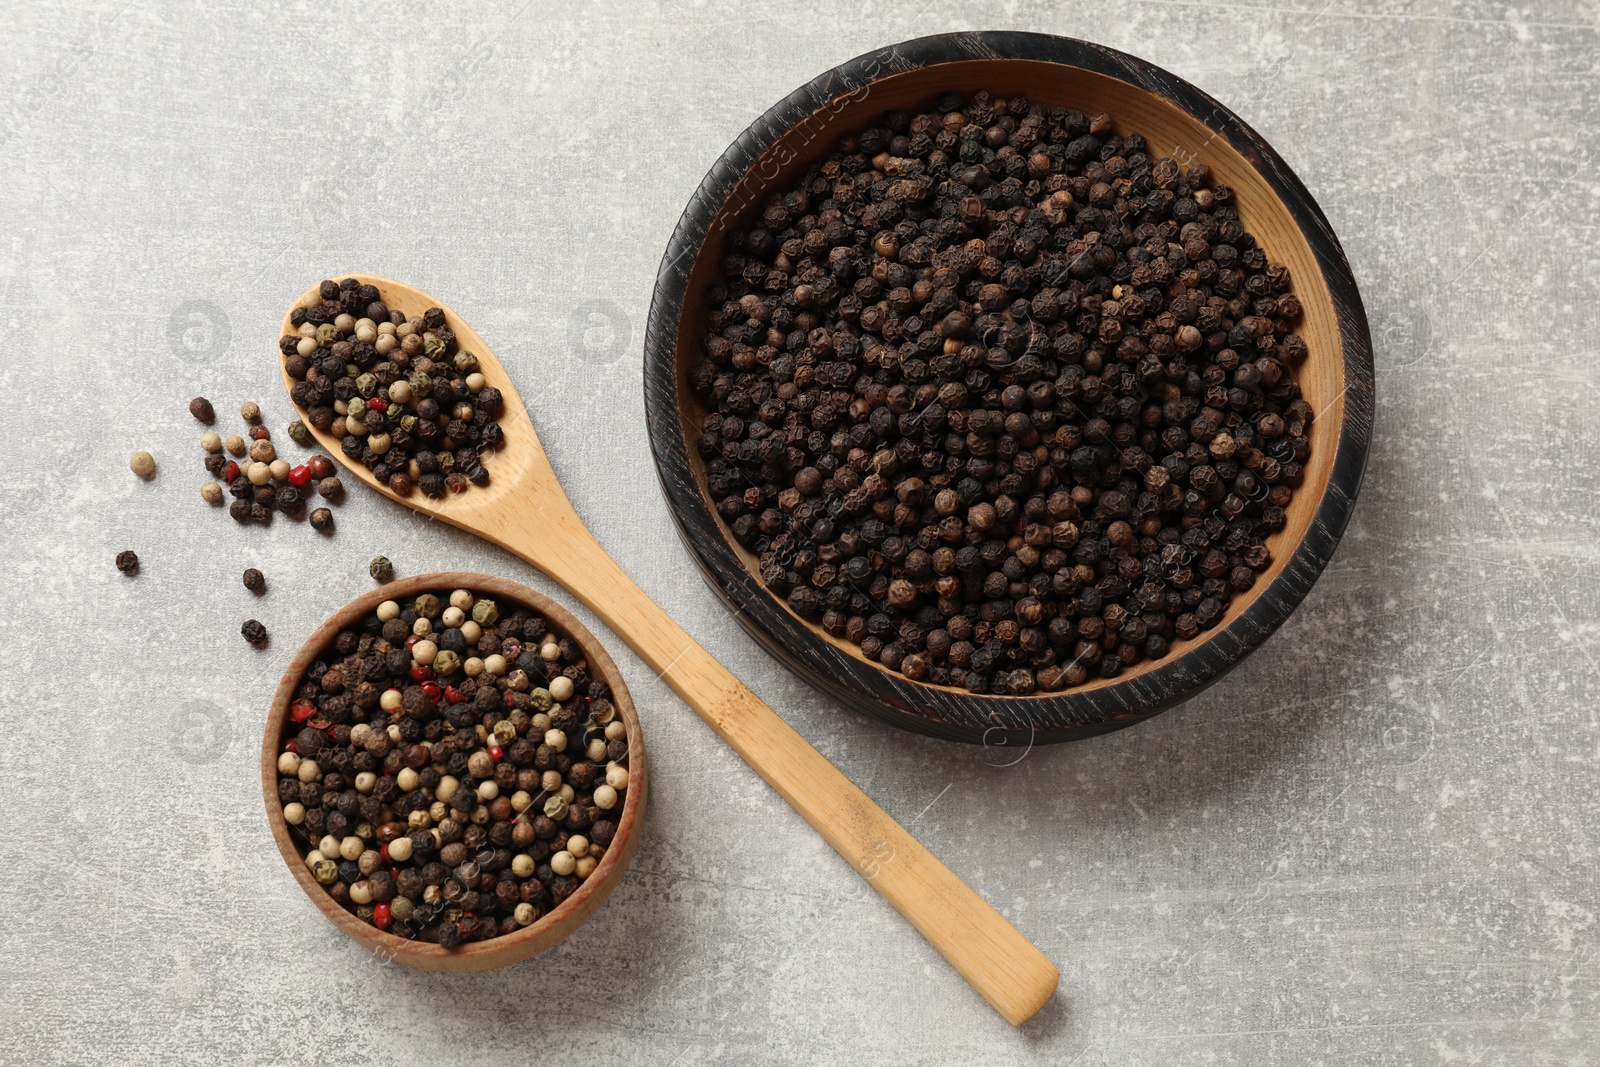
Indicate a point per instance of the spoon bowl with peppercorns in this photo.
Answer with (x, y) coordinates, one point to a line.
(454, 772)
(1008, 387)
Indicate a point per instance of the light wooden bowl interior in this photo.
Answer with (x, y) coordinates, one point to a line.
(560, 921)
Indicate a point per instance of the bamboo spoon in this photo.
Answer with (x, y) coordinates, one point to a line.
(524, 510)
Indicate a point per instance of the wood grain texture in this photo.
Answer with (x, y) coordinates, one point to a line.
(560, 921)
(524, 510)
(1177, 119)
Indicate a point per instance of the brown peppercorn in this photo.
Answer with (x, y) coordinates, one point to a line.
(201, 409)
(254, 632)
(322, 520)
(255, 581)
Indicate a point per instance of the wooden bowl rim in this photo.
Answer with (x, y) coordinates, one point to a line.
(890, 697)
(590, 894)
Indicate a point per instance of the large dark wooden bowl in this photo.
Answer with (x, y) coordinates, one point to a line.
(548, 929)
(1177, 119)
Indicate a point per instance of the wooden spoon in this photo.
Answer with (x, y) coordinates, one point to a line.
(524, 510)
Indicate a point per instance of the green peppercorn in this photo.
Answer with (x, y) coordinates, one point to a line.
(465, 362)
(445, 662)
(381, 569)
(366, 384)
(421, 384)
(485, 613)
(427, 605)
(299, 433)
(540, 699)
(325, 335)
(401, 909)
(555, 808)
(325, 871)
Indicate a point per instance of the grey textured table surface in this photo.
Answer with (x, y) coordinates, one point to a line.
(1374, 843)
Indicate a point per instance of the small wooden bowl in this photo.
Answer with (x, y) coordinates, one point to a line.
(565, 917)
(1178, 120)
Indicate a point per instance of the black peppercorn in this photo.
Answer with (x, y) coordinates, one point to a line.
(128, 562)
(322, 520)
(201, 409)
(254, 632)
(255, 581)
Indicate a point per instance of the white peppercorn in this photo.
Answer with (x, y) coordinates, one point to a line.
(211, 441)
(142, 463)
(388, 610)
(211, 493)
(617, 776)
(294, 813)
(561, 687)
(234, 444)
(605, 797)
(563, 862)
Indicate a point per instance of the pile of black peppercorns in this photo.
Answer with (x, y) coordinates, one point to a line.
(1001, 398)
(453, 774)
(404, 401)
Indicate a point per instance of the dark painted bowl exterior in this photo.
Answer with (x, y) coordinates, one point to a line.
(764, 158)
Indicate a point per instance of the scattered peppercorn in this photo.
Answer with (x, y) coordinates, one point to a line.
(265, 483)
(322, 520)
(427, 784)
(381, 569)
(397, 392)
(254, 632)
(299, 433)
(201, 409)
(251, 411)
(142, 463)
(128, 561)
(255, 581)
(330, 488)
(1002, 399)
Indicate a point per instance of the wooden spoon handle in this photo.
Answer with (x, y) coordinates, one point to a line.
(990, 953)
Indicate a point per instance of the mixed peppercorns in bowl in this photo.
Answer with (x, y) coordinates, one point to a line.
(1011, 389)
(454, 771)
